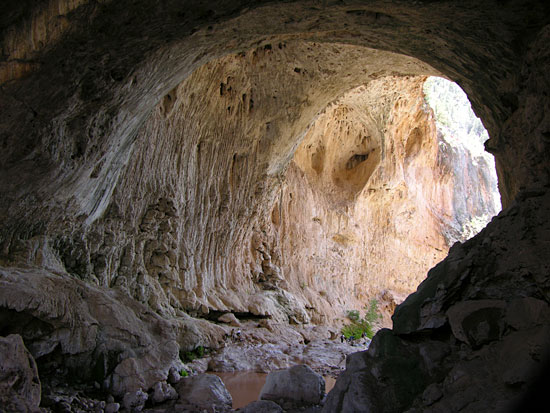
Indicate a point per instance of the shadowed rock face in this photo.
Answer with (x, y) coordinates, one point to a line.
(113, 140)
(20, 385)
(474, 334)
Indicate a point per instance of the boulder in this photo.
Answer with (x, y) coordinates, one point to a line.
(311, 333)
(173, 376)
(112, 407)
(205, 391)
(162, 392)
(127, 377)
(19, 382)
(199, 365)
(353, 393)
(135, 401)
(527, 312)
(262, 406)
(522, 351)
(293, 387)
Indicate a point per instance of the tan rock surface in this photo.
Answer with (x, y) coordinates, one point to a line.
(221, 138)
(355, 214)
(368, 201)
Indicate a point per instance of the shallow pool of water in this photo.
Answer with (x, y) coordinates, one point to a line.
(245, 386)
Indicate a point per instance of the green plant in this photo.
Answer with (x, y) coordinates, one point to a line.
(372, 315)
(353, 315)
(358, 325)
(200, 351)
(183, 373)
(188, 356)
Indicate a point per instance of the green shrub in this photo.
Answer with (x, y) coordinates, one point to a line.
(188, 356)
(183, 373)
(365, 325)
(353, 315)
(357, 329)
(372, 315)
(200, 351)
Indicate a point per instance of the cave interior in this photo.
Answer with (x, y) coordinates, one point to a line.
(165, 164)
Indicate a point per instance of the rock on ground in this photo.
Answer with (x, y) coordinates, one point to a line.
(173, 375)
(205, 391)
(294, 387)
(19, 382)
(323, 356)
(112, 407)
(162, 392)
(134, 401)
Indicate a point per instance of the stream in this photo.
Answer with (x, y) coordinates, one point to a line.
(245, 386)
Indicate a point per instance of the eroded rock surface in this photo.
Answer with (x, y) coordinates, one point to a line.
(81, 332)
(374, 186)
(210, 228)
(19, 381)
(360, 186)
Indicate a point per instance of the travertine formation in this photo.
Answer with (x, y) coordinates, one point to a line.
(146, 173)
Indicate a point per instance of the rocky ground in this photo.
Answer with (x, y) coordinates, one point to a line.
(263, 350)
(251, 346)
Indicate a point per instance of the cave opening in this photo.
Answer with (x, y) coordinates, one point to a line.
(280, 236)
(386, 179)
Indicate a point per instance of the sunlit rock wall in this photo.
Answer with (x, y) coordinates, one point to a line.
(461, 137)
(201, 222)
(185, 230)
(373, 199)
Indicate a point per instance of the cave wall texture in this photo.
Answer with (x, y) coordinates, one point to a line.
(125, 188)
